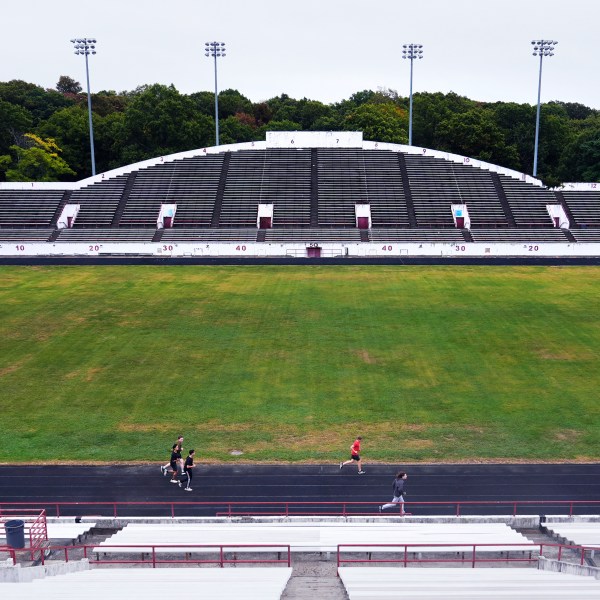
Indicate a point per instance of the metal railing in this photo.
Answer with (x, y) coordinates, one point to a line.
(35, 525)
(149, 553)
(469, 553)
(298, 508)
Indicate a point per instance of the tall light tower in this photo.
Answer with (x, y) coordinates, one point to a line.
(216, 50)
(411, 52)
(85, 47)
(541, 48)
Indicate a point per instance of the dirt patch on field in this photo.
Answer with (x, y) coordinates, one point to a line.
(563, 354)
(566, 435)
(207, 426)
(15, 366)
(365, 357)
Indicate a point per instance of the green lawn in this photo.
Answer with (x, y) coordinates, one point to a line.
(290, 363)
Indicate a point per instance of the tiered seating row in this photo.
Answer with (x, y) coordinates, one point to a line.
(309, 236)
(105, 235)
(345, 176)
(350, 176)
(581, 533)
(584, 206)
(417, 236)
(98, 202)
(191, 183)
(436, 184)
(527, 202)
(587, 235)
(25, 235)
(379, 583)
(243, 189)
(209, 235)
(26, 208)
(523, 236)
(342, 184)
(384, 189)
(318, 537)
(257, 583)
(287, 185)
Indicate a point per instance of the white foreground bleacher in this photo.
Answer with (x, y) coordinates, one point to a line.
(580, 533)
(309, 536)
(382, 583)
(255, 583)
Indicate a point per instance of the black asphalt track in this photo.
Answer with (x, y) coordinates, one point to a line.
(493, 488)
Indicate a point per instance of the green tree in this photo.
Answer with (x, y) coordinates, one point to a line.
(39, 102)
(517, 123)
(67, 85)
(69, 127)
(204, 102)
(159, 121)
(14, 122)
(310, 112)
(379, 122)
(277, 126)
(474, 133)
(38, 162)
(430, 111)
(231, 102)
(580, 159)
(236, 129)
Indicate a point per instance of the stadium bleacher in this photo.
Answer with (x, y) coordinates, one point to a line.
(315, 537)
(379, 583)
(580, 533)
(313, 193)
(258, 583)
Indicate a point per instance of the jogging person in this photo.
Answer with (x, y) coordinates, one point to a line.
(188, 470)
(398, 491)
(176, 463)
(179, 444)
(354, 456)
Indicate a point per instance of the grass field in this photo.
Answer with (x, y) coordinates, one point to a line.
(290, 363)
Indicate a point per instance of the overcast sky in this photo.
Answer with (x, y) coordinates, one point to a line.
(320, 49)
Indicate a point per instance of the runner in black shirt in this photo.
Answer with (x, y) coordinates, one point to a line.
(188, 470)
(175, 462)
(179, 444)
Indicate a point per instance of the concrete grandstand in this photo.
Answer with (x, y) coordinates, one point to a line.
(302, 194)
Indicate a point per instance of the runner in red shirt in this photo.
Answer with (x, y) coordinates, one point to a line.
(354, 456)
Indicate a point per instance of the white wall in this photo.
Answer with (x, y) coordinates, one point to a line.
(255, 249)
(314, 139)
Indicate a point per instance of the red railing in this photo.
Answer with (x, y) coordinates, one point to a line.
(297, 508)
(34, 524)
(149, 553)
(38, 531)
(471, 549)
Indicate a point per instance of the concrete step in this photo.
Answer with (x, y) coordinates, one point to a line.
(313, 588)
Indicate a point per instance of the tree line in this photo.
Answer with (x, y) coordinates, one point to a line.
(44, 133)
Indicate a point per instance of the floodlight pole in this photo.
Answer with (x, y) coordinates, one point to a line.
(86, 46)
(541, 48)
(216, 50)
(410, 52)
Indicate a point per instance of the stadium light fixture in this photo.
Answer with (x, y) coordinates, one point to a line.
(85, 47)
(541, 48)
(411, 52)
(215, 50)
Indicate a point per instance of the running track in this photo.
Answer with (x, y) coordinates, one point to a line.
(307, 483)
